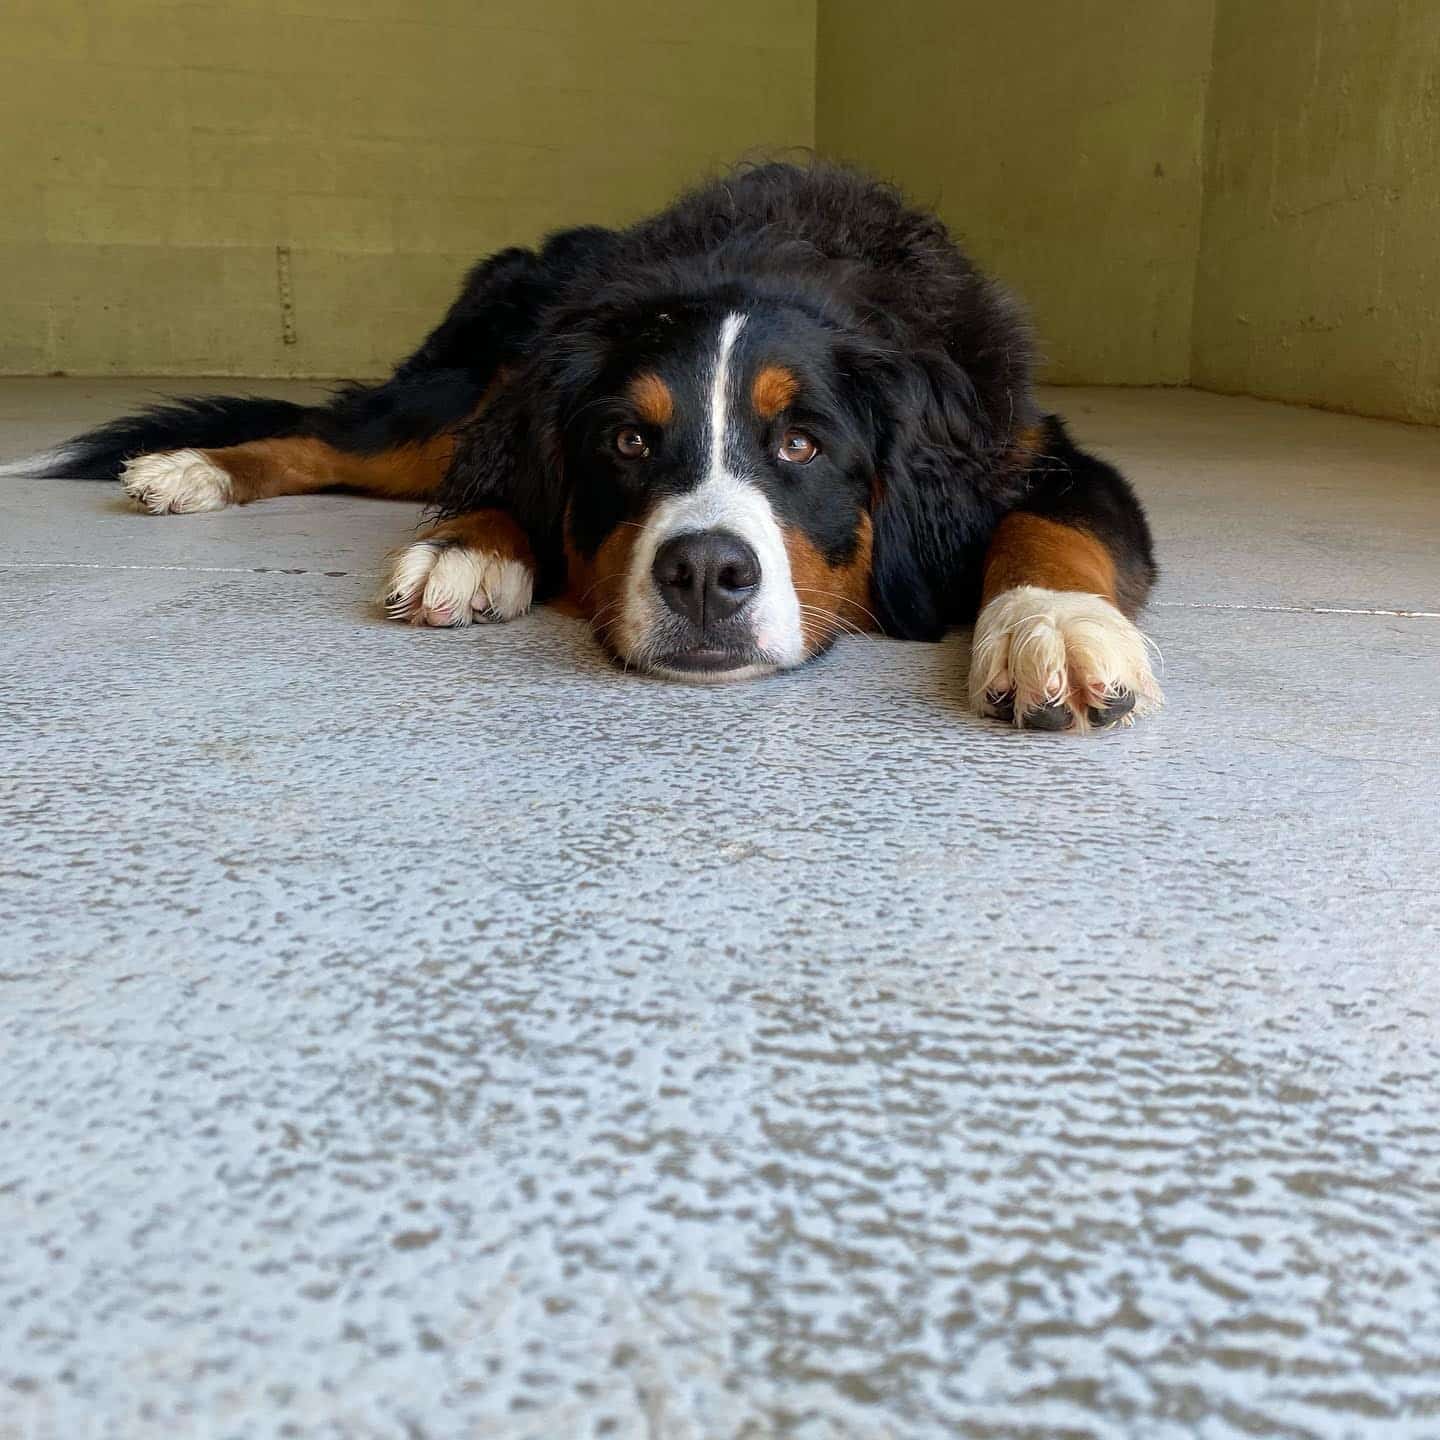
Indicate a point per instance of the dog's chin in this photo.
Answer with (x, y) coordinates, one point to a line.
(705, 665)
(720, 655)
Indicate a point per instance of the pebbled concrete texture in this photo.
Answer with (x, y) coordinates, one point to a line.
(437, 1034)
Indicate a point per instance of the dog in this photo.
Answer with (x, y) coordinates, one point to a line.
(785, 408)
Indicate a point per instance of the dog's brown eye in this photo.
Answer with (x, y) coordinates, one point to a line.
(632, 444)
(797, 447)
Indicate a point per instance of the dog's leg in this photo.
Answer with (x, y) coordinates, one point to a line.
(1052, 649)
(178, 481)
(474, 567)
(1056, 646)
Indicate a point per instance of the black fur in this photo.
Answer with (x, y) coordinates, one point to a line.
(196, 420)
(921, 366)
(935, 360)
(360, 419)
(1067, 484)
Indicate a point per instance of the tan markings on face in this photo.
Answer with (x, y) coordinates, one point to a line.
(651, 397)
(833, 598)
(595, 586)
(773, 390)
(1030, 550)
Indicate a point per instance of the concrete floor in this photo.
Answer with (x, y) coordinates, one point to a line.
(443, 1035)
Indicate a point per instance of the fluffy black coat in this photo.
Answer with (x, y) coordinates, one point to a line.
(937, 360)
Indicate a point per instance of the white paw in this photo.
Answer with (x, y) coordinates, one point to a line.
(434, 583)
(1060, 660)
(173, 481)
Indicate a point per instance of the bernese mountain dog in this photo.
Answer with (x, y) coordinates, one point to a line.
(786, 408)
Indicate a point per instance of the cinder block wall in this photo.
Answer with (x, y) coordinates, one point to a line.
(294, 187)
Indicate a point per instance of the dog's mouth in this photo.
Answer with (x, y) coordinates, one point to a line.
(709, 658)
(712, 663)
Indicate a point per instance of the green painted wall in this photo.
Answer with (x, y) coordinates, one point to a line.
(1241, 195)
(154, 154)
(1319, 276)
(1061, 141)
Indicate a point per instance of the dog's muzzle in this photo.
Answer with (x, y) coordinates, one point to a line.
(708, 580)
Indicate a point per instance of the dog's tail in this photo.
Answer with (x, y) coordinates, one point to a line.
(191, 422)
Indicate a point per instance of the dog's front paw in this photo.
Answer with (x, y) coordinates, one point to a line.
(438, 582)
(175, 482)
(1060, 660)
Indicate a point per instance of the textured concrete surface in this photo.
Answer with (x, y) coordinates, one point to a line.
(444, 1035)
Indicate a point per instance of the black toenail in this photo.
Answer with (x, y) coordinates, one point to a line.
(1115, 708)
(1049, 717)
(1000, 704)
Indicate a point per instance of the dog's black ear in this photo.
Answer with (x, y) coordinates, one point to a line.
(509, 458)
(941, 486)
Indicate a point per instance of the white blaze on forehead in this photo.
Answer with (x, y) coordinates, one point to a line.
(720, 391)
(725, 499)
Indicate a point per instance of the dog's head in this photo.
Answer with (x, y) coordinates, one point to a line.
(719, 499)
(741, 476)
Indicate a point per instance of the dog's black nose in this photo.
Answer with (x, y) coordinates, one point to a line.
(706, 576)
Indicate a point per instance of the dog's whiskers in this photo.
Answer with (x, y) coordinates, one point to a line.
(836, 595)
(829, 614)
(837, 624)
(603, 580)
